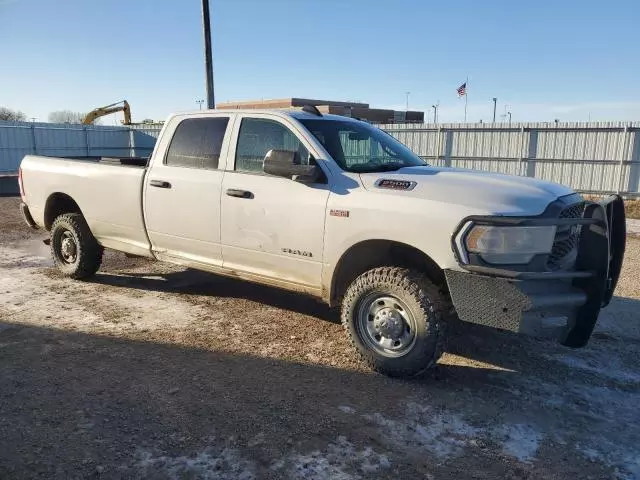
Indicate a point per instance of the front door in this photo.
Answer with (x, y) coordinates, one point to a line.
(271, 226)
(182, 193)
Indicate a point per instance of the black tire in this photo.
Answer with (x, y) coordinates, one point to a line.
(88, 253)
(427, 305)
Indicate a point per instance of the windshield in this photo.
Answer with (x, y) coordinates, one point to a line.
(360, 147)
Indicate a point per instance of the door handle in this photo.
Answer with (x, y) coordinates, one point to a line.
(233, 192)
(160, 184)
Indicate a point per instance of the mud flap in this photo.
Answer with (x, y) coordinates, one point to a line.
(601, 251)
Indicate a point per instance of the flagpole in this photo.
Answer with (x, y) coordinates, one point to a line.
(466, 96)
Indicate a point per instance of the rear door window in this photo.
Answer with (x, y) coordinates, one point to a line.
(197, 143)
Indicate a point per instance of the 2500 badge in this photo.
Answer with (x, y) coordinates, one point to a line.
(292, 251)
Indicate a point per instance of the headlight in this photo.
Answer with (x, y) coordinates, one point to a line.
(509, 245)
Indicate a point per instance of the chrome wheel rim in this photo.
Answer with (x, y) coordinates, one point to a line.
(386, 325)
(68, 247)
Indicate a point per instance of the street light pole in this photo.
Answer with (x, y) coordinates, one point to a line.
(509, 113)
(200, 102)
(407, 94)
(435, 112)
(495, 103)
(208, 62)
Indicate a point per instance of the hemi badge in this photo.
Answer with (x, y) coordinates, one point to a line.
(391, 184)
(339, 213)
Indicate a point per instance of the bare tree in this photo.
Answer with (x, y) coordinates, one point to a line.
(67, 116)
(12, 115)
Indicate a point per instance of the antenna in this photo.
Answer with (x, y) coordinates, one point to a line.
(312, 109)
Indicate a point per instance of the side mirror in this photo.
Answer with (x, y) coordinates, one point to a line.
(285, 163)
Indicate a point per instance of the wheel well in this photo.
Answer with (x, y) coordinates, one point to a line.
(369, 254)
(58, 204)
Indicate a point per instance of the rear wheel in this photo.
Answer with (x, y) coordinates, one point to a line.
(74, 249)
(395, 319)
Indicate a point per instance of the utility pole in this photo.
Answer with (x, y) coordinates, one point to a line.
(407, 94)
(200, 102)
(495, 103)
(208, 62)
(435, 111)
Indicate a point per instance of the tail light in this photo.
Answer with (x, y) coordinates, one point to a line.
(20, 184)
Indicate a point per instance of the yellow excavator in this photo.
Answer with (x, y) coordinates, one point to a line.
(122, 106)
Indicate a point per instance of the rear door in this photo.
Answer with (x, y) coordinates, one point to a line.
(182, 191)
(272, 226)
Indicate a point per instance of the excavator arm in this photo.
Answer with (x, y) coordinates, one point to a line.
(122, 106)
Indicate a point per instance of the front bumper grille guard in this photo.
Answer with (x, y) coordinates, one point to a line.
(598, 263)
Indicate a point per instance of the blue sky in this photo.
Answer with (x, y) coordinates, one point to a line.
(546, 59)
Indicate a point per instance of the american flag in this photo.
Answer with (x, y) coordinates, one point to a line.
(462, 90)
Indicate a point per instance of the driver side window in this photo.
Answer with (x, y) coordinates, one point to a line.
(257, 136)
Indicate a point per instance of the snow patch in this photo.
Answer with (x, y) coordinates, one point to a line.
(612, 369)
(521, 442)
(626, 466)
(441, 434)
(93, 306)
(257, 440)
(341, 460)
(227, 465)
(446, 434)
(346, 409)
(609, 411)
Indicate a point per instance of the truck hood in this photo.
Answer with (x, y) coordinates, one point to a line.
(489, 193)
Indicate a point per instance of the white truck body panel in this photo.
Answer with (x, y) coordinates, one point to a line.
(183, 222)
(281, 215)
(491, 193)
(287, 234)
(258, 230)
(108, 195)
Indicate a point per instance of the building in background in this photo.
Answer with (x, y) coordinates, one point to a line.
(361, 111)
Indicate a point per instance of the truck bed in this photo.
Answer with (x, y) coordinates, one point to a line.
(108, 191)
(126, 161)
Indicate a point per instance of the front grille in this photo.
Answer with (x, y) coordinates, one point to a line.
(565, 246)
(574, 211)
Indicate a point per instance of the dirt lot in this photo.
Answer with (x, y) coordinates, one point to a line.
(152, 371)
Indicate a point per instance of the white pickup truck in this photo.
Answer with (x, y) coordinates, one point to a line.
(335, 208)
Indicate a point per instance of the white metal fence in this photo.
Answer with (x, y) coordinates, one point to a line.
(601, 157)
(18, 139)
(590, 157)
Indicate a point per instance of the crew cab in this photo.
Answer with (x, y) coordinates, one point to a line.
(335, 208)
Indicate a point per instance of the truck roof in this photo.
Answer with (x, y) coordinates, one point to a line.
(297, 114)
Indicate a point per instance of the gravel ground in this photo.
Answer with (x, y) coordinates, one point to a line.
(153, 371)
(633, 226)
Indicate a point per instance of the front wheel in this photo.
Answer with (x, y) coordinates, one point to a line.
(74, 249)
(394, 318)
